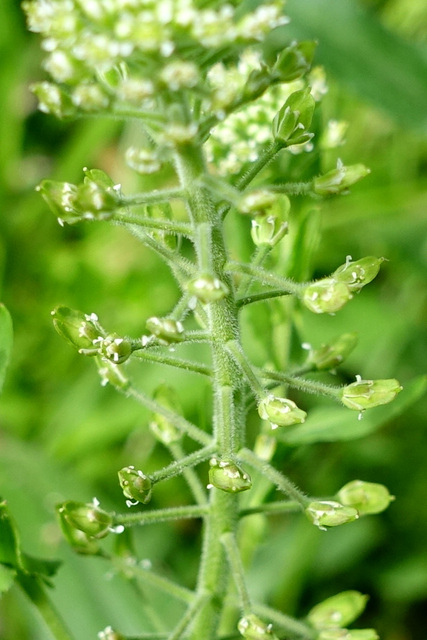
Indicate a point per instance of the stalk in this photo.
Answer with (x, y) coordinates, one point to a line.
(222, 517)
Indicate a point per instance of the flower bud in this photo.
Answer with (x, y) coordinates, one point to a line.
(253, 628)
(331, 355)
(88, 518)
(161, 427)
(366, 497)
(207, 288)
(111, 374)
(281, 412)
(326, 296)
(365, 394)
(142, 160)
(136, 486)
(359, 273)
(60, 197)
(53, 100)
(114, 348)
(257, 202)
(268, 230)
(294, 61)
(338, 611)
(328, 513)
(292, 121)
(228, 476)
(79, 329)
(166, 330)
(340, 179)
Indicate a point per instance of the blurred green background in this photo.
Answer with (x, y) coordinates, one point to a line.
(63, 436)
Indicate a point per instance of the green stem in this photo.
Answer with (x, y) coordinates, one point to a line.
(309, 386)
(160, 515)
(177, 467)
(260, 297)
(293, 188)
(152, 197)
(233, 554)
(287, 623)
(272, 508)
(189, 474)
(187, 365)
(281, 481)
(178, 421)
(240, 357)
(264, 276)
(258, 258)
(152, 579)
(169, 226)
(189, 616)
(36, 592)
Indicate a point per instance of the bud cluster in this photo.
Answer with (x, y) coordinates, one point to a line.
(329, 295)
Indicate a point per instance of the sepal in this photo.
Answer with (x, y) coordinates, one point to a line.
(366, 497)
(337, 611)
(136, 486)
(329, 513)
(280, 412)
(366, 394)
(228, 476)
(253, 628)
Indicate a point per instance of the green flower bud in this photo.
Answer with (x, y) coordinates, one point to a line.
(79, 329)
(78, 540)
(161, 427)
(270, 227)
(340, 179)
(257, 202)
(328, 513)
(88, 518)
(331, 355)
(253, 628)
(365, 394)
(141, 160)
(53, 100)
(338, 611)
(326, 296)
(359, 273)
(294, 61)
(259, 80)
(281, 412)
(136, 486)
(111, 374)
(228, 476)
(292, 121)
(166, 330)
(60, 197)
(207, 288)
(366, 497)
(114, 348)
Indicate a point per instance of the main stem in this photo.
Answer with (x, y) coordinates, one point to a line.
(213, 578)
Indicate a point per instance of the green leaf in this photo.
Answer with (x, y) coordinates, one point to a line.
(6, 340)
(363, 55)
(10, 551)
(330, 425)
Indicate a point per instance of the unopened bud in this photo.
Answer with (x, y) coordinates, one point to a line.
(88, 518)
(136, 486)
(292, 121)
(114, 348)
(253, 628)
(359, 273)
(366, 497)
(328, 513)
(268, 231)
(280, 412)
(332, 355)
(228, 476)
(340, 179)
(79, 329)
(326, 296)
(53, 100)
(365, 394)
(166, 330)
(111, 374)
(109, 634)
(207, 288)
(338, 611)
(294, 61)
(162, 428)
(60, 197)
